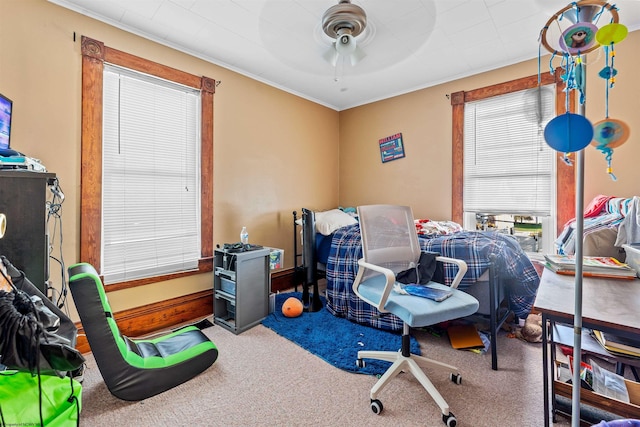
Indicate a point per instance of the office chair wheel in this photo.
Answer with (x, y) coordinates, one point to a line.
(450, 420)
(360, 363)
(376, 406)
(456, 378)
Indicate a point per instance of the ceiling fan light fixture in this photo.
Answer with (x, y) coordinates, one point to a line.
(345, 44)
(343, 23)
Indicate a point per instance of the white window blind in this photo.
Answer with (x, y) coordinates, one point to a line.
(508, 167)
(151, 176)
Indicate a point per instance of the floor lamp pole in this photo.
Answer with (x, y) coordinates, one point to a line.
(577, 317)
(583, 12)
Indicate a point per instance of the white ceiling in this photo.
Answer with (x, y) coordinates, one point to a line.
(409, 44)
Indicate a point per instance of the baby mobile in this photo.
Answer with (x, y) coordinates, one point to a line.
(570, 132)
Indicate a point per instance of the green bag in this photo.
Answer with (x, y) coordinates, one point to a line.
(19, 400)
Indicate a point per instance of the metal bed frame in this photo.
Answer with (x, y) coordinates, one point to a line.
(306, 270)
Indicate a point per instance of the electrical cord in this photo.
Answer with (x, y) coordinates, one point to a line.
(54, 209)
(61, 296)
(73, 398)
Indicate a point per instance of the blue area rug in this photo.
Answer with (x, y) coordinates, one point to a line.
(334, 339)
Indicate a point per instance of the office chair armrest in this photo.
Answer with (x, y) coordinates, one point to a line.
(462, 269)
(390, 281)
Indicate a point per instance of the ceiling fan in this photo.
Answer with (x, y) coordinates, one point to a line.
(343, 23)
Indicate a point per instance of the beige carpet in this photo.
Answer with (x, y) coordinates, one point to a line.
(261, 379)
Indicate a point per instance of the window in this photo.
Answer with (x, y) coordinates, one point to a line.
(147, 168)
(508, 167)
(151, 176)
(479, 182)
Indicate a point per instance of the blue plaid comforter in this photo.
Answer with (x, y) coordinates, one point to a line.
(473, 247)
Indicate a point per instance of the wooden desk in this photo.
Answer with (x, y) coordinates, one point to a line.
(608, 305)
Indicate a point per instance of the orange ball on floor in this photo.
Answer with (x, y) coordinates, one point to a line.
(292, 307)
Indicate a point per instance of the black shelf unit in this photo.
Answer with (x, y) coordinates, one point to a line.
(23, 199)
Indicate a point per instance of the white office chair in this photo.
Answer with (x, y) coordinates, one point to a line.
(390, 245)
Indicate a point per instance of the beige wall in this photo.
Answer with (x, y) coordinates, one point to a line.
(267, 143)
(274, 152)
(423, 178)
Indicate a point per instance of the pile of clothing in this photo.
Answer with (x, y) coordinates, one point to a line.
(609, 222)
(429, 228)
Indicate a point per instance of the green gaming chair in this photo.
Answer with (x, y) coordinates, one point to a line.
(135, 369)
(390, 246)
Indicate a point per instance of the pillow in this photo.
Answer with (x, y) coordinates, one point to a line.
(329, 221)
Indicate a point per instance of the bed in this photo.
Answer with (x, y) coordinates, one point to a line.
(499, 270)
(512, 266)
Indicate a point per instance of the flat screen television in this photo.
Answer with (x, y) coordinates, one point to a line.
(6, 106)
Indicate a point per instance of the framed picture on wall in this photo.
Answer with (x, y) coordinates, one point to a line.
(391, 148)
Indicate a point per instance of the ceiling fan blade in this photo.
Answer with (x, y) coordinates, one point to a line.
(331, 55)
(357, 56)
